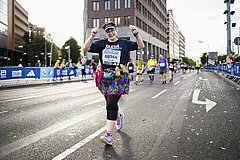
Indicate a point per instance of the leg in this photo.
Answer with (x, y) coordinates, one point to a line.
(112, 110)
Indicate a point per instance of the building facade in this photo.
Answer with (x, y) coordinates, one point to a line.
(173, 37)
(181, 45)
(3, 31)
(39, 31)
(16, 18)
(149, 16)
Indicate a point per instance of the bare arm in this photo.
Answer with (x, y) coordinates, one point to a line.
(138, 38)
(89, 41)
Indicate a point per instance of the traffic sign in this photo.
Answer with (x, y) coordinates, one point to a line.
(237, 40)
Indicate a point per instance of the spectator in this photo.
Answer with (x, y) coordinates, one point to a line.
(57, 64)
(38, 64)
(63, 64)
(70, 65)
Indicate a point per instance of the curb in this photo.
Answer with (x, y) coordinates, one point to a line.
(227, 80)
(40, 84)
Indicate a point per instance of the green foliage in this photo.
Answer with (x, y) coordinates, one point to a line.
(188, 61)
(35, 48)
(74, 50)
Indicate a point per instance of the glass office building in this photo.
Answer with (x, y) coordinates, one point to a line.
(3, 31)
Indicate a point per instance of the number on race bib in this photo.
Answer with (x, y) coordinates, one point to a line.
(111, 57)
(162, 64)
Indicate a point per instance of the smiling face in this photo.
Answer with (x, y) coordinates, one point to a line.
(112, 34)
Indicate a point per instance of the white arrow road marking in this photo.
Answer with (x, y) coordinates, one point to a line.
(200, 78)
(159, 93)
(176, 83)
(209, 104)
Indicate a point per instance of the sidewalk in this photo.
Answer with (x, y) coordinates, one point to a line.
(16, 83)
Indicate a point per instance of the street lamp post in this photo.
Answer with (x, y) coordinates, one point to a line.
(229, 13)
(69, 51)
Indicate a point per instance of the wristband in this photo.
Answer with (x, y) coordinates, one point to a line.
(91, 39)
(135, 35)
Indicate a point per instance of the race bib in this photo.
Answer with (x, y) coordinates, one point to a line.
(82, 67)
(111, 57)
(130, 68)
(162, 64)
(171, 66)
(182, 65)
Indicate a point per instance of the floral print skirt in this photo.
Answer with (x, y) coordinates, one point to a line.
(113, 86)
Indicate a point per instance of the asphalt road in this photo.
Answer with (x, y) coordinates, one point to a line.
(194, 117)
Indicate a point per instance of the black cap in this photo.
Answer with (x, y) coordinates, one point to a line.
(108, 26)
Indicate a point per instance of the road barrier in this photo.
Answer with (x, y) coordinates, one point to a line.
(38, 73)
(233, 70)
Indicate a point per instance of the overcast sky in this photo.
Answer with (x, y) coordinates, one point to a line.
(199, 20)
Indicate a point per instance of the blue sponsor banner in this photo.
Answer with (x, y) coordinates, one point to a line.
(19, 72)
(47, 73)
(237, 69)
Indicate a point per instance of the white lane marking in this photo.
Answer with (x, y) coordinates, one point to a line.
(36, 96)
(77, 95)
(131, 90)
(176, 83)
(102, 99)
(209, 104)
(184, 77)
(47, 93)
(79, 145)
(18, 144)
(159, 93)
(3, 112)
(200, 78)
(95, 101)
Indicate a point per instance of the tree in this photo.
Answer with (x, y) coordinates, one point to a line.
(188, 61)
(74, 50)
(35, 48)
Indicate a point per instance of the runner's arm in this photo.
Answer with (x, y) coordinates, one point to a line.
(89, 41)
(138, 38)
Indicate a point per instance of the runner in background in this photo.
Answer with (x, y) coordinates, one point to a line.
(93, 65)
(83, 68)
(151, 64)
(198, 66)
(112, 76)
(182, 67)
(130, 67)
(163, 65)
(139, 70)
(171, 69)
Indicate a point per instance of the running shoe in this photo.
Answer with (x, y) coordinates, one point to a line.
(140, 83)
(151, 81)
(106, 138)
(163, 82)
(119, 124)
(171, 80)
(135, 82)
